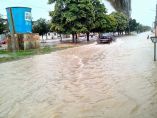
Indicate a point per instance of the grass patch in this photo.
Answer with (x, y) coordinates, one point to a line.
(9, 56)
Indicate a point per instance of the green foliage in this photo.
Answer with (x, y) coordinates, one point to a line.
(111, 25)
(41, 26)
(72, 17)
(133, 25)
(3, 26)
(100, 22)
(136, 27)
(57, 16)
(84, 16)
(122, 21)
(142, 28)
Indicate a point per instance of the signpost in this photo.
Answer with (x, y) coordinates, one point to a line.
(154, 40)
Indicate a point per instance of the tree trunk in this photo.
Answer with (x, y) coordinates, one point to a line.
(87, 36)
(98, 34)
(76, 38)
(42, 38)
(61, 38)
(73, 38)
(46, 36)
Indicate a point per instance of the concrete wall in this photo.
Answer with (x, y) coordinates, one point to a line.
(31, 41)
(24, 41)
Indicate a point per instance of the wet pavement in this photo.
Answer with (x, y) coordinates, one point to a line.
(117, 80)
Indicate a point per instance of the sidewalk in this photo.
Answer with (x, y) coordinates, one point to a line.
(51, 42)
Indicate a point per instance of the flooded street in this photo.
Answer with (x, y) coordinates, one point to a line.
(117, 80)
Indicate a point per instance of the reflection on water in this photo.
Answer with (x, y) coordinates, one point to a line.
(95, 81)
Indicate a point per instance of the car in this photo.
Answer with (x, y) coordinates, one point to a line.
(105, 38)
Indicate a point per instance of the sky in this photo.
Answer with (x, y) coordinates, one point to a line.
(142, 10)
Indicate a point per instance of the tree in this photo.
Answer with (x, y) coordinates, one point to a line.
(122, 21)
(63, 17)
(103, 22)
(100, 17)
(72, 17)
(132, 26)
(111, 24)
(71, 22)
(142, 28)
(86, 16)
(56, 15)
(41, 26)
(2, 25)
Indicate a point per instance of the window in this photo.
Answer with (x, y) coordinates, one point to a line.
(28, 16)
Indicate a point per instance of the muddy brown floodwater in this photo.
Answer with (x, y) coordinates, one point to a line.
(117, 80)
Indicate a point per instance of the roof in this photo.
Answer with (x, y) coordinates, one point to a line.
(18, 7)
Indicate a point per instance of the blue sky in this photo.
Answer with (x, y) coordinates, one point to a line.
(142, 10)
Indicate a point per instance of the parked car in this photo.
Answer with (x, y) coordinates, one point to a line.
(105, 38)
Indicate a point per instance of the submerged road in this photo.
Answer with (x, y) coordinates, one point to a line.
(117, 80)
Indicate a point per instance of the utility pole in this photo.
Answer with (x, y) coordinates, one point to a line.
(156, 22)
(154, 39)
(13, 39)
(155, 34)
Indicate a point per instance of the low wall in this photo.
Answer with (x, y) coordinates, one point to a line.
(24, 41)
(31, 41)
